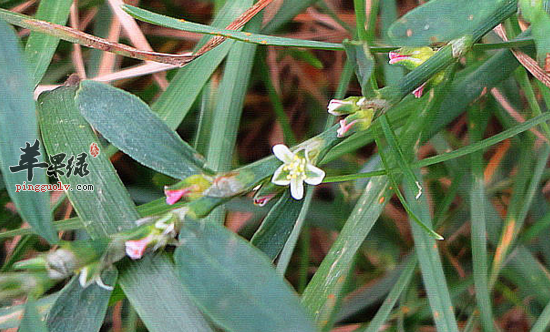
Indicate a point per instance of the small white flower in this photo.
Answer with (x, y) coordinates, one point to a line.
(296, 170)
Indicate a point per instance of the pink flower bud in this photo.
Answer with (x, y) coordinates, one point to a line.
(173, 196)
(136, 248)
(419, 91)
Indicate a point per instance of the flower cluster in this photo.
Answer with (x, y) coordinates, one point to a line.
(358, 117)
(90, 258)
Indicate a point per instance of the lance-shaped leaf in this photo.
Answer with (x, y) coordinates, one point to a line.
(441, 20)
(235, 284)
(18, 125)
(129, 124)
(40, 47)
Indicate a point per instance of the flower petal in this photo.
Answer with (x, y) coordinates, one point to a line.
(100, 283)
(297, 188)
(84, 278)
(136, 248)
(314, 175)
(283, 153)
(279, 177)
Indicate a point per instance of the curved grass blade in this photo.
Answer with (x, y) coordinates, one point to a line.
(81, 310)
(18, 125)
(40, 48)
(235, 284)
(411, 181)
(128, 123)
(32, 321)
(440, 21)
(169, 22)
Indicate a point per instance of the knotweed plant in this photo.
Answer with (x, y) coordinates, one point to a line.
(399, 184)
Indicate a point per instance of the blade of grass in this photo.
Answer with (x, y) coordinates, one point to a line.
(290, 244)
(247, 37)
(230, 102)
(18, 125)
(477, 124)
(410, 179)
(174, 103)
(40, 48)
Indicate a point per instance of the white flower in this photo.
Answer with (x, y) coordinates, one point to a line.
(296, 170)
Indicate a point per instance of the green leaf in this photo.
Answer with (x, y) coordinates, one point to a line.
(32, 321)
(277, 226)
(128, 123)
(108, 209)
(174, 104)
(18, 125)
(441, 20)
(229, 107)
(431, 266)
(64, 130)
(327, 284)
(156, 293)
(234, 283)
(80, 309)
(169, 22)
(478, 123)
(40, 47)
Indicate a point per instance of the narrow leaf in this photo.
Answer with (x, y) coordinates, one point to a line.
(145, 283)
(40, 48)
(169, 22)
(18, 126)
